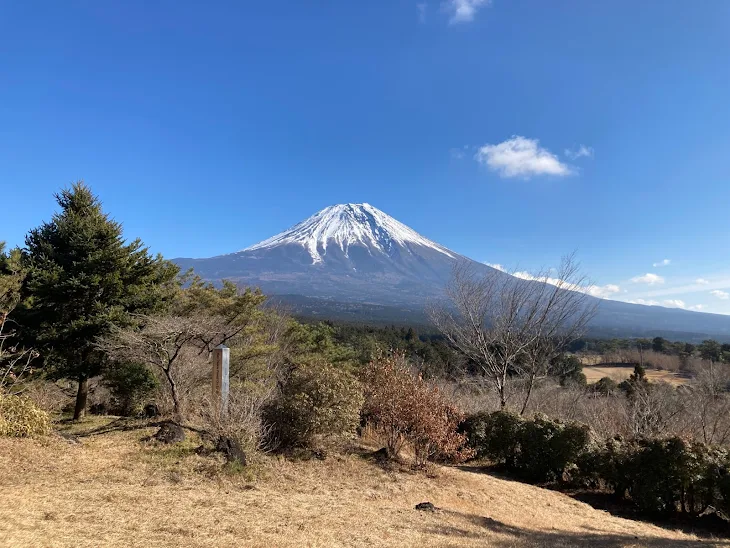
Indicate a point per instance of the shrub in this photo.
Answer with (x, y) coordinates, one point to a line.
(20, 417)
(660, 476)
(130, 383)
(316, 401)
(403, 407)
(242, 422)
(673, 475)
(548, 447)
(605, 386)
(538, 449)
(493, 436)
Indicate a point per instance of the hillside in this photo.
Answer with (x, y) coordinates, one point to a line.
(112, 489)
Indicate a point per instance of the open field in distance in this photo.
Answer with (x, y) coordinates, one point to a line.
(621, 373)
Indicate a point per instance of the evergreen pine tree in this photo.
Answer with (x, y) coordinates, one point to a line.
(84, 279)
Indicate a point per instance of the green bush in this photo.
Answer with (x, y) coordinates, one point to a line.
(130, 383)
(538, 449)
(493, 436)
(548, 447)
(673, 475)
(660, 476)
(605, 386)
(20, 418)
(317, 401)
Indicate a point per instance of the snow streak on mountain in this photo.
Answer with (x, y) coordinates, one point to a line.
(344, 225)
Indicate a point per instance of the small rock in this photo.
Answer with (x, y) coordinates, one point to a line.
(426, 507)
(170, 432)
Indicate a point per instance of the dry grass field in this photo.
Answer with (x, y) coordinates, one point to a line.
(114, 489)
(621, 373)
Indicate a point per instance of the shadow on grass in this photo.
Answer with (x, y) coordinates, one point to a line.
(516, 536)
(710, 525)
(119, 424)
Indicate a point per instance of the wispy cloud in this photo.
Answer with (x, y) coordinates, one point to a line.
(496, 265)
(644, 302)
(723, 295)
(582, 151)
(697, 307)
(422, 12)
(600, 291)
(648, 278)
(457, 153)
(521, 157)
(463, 11)
(675, 303)
(663, 262)
(701, 281)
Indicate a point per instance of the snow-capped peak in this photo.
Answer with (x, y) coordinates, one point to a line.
(344, 225)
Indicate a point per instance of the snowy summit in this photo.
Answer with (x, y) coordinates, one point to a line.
(345, 225)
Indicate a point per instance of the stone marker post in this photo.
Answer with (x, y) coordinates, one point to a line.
(221, 361)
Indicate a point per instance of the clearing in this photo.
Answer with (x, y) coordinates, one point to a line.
(622, 372)
(112, 488)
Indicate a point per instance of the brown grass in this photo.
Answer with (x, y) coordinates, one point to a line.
(621, 373)
(113, 489)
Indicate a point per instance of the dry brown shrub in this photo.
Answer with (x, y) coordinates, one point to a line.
(241, 420)
(21, 418)
(404, 408)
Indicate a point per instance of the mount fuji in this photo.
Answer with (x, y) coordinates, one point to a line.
(357, 258)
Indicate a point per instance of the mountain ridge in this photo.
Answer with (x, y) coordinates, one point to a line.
(355, 253)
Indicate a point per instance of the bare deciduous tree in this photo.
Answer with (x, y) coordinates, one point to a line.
(709, 402)
(507, 326)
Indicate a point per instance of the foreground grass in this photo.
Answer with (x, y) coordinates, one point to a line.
(114, 489)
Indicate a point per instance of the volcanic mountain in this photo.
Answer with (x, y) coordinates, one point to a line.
(363, 259)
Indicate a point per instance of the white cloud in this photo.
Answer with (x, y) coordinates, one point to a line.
(422, 12)
(603, 291)
(675, 303)
(496, 265)
(521, 157)
(723, 295)
(580, 152)
(697, 307)
(600, 291)
(463, 11)
(701, 281)
(663, 262)
(644, 302)
(648, 278)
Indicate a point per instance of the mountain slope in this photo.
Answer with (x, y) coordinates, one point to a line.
(352, 252)
(355, 253)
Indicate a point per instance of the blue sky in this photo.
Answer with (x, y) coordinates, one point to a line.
(510, 131)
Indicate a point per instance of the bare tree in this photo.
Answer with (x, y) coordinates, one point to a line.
(560, 310)
(709, 402)
(508, 326)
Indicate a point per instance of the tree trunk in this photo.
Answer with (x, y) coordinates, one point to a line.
(174, 394)
(527, 396)
(81, 396)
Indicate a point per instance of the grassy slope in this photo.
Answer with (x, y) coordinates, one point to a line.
(114, 490)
